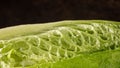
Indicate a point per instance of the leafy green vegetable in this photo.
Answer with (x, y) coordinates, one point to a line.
(64, 44)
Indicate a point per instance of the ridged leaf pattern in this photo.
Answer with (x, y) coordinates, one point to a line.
(62, 42)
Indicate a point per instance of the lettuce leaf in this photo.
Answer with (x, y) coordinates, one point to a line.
(64, 44)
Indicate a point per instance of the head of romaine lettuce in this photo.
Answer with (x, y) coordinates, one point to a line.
(65, 44)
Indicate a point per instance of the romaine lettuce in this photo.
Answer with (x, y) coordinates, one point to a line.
(64, 44)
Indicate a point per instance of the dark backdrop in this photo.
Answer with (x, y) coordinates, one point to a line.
(14, 12)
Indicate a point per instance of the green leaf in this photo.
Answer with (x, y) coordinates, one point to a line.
(64, 44)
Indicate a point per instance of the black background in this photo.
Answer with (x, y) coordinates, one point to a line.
(15, 12)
